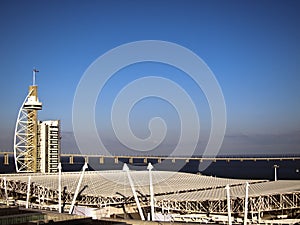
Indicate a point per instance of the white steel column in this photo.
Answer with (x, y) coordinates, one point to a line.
(78, 187)
(246, 204)
(28, 192)
(275, 172)
(59, 187)
(126, 169)
(228, 204)
(150, 167)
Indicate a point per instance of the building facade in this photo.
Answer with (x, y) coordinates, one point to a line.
(49, 139)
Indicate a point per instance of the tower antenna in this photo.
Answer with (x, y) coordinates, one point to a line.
(33, 76)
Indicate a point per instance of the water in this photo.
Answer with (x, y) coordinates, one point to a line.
(288, 169)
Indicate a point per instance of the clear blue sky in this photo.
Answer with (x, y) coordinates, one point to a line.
(253, 48)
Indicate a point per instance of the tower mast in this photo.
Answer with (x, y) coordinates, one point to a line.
(34, 71)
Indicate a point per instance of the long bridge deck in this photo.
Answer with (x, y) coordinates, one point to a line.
(146, 159)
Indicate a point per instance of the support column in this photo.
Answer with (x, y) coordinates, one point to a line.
(275, 172)
(5, 190)
(59, 187)
(126, 169)
(251, 207)
(28, 192)
(77, 189)
(101, 160)
(246, 204)
(228, 204)
(6, 159)
(130, 160)
(150, 167)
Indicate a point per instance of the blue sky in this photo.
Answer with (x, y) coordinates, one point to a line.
(252, 47)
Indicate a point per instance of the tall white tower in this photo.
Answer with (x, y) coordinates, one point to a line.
(36, 144)
(26, 146)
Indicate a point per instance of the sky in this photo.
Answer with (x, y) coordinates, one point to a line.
(252, 48)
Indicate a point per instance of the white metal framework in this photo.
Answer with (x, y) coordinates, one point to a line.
(182, 197)
(23, 140)
(185, 193)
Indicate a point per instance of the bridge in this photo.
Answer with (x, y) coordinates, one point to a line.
(133, 158)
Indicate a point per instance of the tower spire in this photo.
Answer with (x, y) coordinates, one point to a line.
(34, 71)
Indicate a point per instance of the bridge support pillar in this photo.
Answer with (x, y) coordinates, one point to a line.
(6, 161)
(116, 160)
(101, 160)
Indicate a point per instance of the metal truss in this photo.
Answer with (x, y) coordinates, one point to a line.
(257, 204)
(275, 202)
(41, 194)
(24, 139)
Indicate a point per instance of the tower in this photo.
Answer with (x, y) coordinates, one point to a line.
(28, 140)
